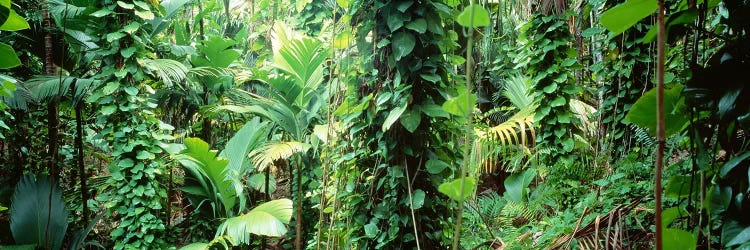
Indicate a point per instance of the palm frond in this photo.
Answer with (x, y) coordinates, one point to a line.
(250, 136)
(494, 142)
(267, 219)
(516, 90)
(37, 206)
(265, 155)
(45, 87)
(169, 71)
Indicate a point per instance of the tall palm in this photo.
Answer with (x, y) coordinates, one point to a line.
(290, 99)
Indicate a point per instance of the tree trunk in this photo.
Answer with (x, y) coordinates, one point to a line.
(660, 135)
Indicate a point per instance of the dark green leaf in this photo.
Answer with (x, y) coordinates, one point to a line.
(435, 166)
(732, 163)
(625, 15)
(418, 199)
(9, 57)
(402, 44)
(643, 112)
(516, 185)
(411, 119)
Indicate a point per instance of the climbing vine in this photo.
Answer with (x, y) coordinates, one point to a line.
(134, 132)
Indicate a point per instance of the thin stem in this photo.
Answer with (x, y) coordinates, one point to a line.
(660, 135)
(467, 128)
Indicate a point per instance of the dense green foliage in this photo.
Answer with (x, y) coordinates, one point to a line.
(371, 124)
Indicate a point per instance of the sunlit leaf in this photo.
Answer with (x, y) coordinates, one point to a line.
(623, 16)
(459, 189)
(474, 16)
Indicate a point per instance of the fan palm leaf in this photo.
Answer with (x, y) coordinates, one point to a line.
(45, 87)
(267, 219)
(37, 202)
(265, 155)
(169, 71)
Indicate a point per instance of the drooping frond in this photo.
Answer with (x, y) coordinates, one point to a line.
(169, 71)
(506, 143)
(267, 219)
(264, 156)
(45, 87)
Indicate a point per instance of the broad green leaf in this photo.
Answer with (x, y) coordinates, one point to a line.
(14, 22)
(196, 246)
(558, 101)
(418, 199)
(719, 198)
(671, 214)
(371, 230)
(462, 105)
(393, 117)
(418, 25)
(643, 112)
(9, 57)
(145, 14)
(623, 16)
(102, 12)
(402, 44)
(411, 119)
(128, 52)
(435, 166)
(678, 239)
(732, 163)
(267, 219)
(343, 3)
(110, 88)
(679, 186)
(124, 5)
(516, 185)
(733, 233)
(453, 188)
(433, 110)
(474, 16)
(31, 211)
(253, 134)
(343, 40)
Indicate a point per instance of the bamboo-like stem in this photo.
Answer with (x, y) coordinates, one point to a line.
(660, 135)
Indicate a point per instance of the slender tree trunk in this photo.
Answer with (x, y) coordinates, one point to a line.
(52, 122)
(298, 216)
(79, 156)
(660, 135)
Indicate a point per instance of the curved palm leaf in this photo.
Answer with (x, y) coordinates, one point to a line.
(35, 203)
(169, 71)
(250, 136)
(216, 182)
(45, 87)
(516, 90)
(266, 219)
(265, 155)
(509, 136)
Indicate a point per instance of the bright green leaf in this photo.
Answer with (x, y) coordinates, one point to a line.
(474, 16)
(393, 117)
(462, 105)
(454, 188)
(516, 185)
(14, 22)
(678, 239)
(623, 16)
